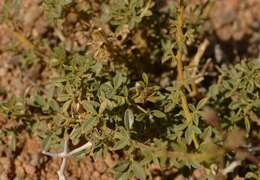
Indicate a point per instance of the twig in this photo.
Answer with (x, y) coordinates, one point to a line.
(195, 63)
(60, 35)
(231, 167)
(60, 172)
(63, 164)
(81, 148)
(62, 154)
(65, 154)
(200, 76)
(180, 70)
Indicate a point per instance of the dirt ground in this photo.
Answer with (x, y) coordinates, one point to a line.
(231, 23)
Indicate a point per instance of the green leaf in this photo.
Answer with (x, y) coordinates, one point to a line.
(129, 119)
(196, 130)
(119, 100)
(251, 175)
(54, 105)
(118, 80)
(189, 134)
(69, 89)
(66, 106)
(75, 134)
(63, 97)
(158, 114)
(51, 91)
(256, 103)
(103, 106)
(247, 124)
(39, 101)
(97, 68)
(145, 79)
(180, 127)
(47, 141)
(202, 103)
(88, 106)
(138, 170)
(121, 166)
(12, 143)
(124, 176)
(106, 90)
(120, 144)
(89, 124)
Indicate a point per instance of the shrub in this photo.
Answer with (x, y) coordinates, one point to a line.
(97, 95)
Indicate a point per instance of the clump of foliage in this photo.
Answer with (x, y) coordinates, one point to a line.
(118, 109)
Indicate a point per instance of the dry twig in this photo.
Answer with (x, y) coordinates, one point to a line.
(65, 154)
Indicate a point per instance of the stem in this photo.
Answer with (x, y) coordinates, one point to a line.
(231, 167)
(180, 71)
(65, 154)
(194, 65)
(60, 172)
(79, 149)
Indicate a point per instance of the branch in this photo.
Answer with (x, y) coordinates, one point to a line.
(231, 167)
(81, 148)
(195, 63)
(180, 71)
(63, 164)
(65, 154)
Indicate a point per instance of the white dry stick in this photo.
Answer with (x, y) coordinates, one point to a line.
(195, 61)
(231, 167)
(200, 76)
(60, 35)
(81, 148)
(194, 64)
(65, 154)
(64, 159)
